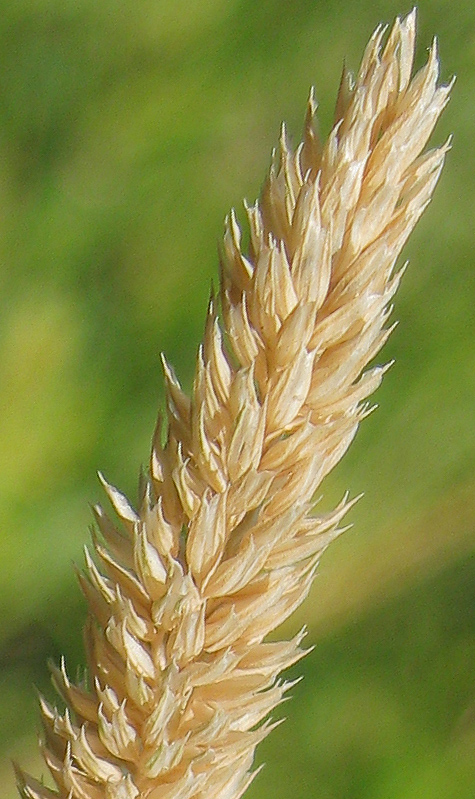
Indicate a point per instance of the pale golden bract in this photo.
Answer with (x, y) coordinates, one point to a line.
(225, 543)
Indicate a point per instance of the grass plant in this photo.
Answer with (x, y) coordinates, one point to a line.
(226, 538)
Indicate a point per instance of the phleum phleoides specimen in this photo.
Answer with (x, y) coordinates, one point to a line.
(225, 543)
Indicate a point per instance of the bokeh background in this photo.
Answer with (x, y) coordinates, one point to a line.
(127, 130)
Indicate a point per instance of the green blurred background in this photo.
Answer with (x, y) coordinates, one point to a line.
(128, 128)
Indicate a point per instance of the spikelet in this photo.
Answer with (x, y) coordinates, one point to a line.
(225, 543)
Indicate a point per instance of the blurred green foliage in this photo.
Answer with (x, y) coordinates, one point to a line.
(127, 131)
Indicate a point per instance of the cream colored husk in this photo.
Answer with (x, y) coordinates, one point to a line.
(226, 541)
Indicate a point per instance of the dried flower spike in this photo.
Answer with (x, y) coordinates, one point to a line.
(225, 543)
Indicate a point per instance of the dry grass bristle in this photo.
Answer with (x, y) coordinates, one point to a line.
(226, 541)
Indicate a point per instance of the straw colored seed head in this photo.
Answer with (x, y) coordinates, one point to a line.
(225, 543)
